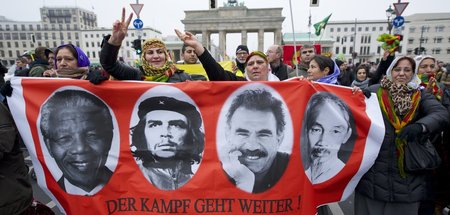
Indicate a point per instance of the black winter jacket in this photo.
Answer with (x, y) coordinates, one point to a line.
(383, 181)
(214, 71)
(16, 192)
(281, 71)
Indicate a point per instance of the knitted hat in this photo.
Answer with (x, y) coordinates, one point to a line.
(242, 48)
(171, 104)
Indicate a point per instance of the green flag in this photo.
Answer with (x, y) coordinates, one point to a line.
(321, 25)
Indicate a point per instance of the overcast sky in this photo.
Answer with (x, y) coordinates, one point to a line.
(165, 15)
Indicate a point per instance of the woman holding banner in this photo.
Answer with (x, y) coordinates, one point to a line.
(408, 113)
(70, 62)
(324, 70)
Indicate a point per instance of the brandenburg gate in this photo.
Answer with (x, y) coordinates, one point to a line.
(234, 19)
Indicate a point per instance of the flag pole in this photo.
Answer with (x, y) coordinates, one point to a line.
(293, 39)
(309, 25)
(320, 38)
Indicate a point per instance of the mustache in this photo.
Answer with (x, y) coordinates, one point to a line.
(166, 143)
(255, 152)
(316, 151)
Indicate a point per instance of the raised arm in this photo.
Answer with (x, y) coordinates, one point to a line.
(110, 50)
(189, 39)
(382, 67)
(214, 71)
(120, 29)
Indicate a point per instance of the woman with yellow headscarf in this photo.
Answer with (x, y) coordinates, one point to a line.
(156, 63)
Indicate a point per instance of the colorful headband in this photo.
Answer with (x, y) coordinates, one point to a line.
(259, 53)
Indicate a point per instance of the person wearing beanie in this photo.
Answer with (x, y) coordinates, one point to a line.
(156, 63)
(256, 69)
(239, 63)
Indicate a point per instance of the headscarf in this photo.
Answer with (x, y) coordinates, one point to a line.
(400, 94)
(421, 58)
(434, 89)
(152, 73)
(82, 58)
(331, 78)
(415, 81)
(270, 76)
(83, 64)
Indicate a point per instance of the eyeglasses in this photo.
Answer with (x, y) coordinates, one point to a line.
(307, 51)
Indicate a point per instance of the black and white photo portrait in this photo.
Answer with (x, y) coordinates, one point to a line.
(327, 137)
(78, 131)
(254, 138)
(168, 139)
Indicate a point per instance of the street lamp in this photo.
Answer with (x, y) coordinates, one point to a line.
(389, 13)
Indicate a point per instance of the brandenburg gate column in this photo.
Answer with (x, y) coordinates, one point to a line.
(244, 37)
(277, 36)
(261, 40)
(206, 39)
(222, 42)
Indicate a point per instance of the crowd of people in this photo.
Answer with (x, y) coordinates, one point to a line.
(413, 93)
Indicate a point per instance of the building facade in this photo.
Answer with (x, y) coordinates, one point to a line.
(431, 32)
(61, 25)
(428, 30)
(234, 19)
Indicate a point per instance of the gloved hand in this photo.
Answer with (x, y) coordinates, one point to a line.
(410, 132)
(367, 93)
(6, 89)
(96, 77)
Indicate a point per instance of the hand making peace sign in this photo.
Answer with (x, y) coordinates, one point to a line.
(119, 30)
